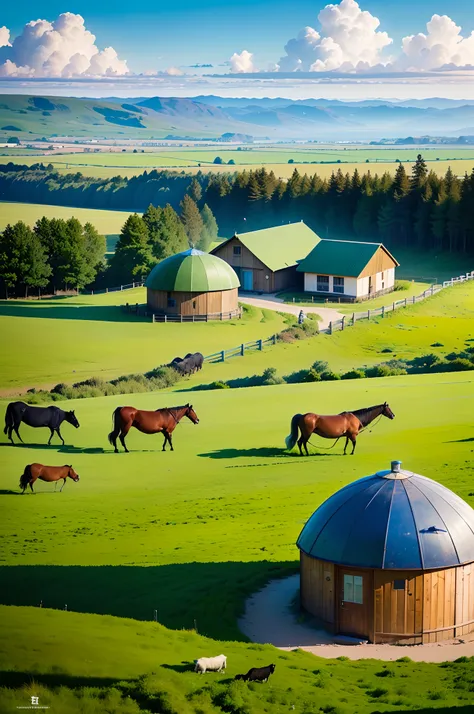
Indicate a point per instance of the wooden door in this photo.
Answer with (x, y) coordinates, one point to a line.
(355, 602)
(247, 280)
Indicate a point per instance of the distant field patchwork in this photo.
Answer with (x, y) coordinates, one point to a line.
(106, 222)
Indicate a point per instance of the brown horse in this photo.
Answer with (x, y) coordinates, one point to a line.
(348, 424)
(33, 472)
(164, 420)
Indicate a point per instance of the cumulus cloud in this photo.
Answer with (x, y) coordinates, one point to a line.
(63, 48)
(442, 45)
(4, 37)
(348, 36)
(242, 62)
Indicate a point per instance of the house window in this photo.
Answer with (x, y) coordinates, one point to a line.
(353, 589)
(399, 584)
(382, 276)
(338, 285)
(194, 304)
(237, 249)
(171, 302)
(322, 283)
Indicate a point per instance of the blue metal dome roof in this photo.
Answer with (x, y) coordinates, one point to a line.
(396, 520)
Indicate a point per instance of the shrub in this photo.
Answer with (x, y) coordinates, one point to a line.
(401, 285)
(456, 365)
(311, 376)
(437, 344)
(297, 377)
(60, 388)
(353, 374)
(329, 376)
(386, 350)
(320, 366)
(219, 385)
(270, 376)
(384, 370)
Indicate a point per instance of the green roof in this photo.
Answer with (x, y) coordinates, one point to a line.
(192, 271)
(280, 247)
(340, 257)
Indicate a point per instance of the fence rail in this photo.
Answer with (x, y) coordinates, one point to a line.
(240, 351)
(349, 320)
(119, 288)
(198, 318)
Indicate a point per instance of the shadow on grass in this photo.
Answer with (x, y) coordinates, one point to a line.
(262, 452)
(183, 667)
(15, 680)
(9, 492)
(210, 596)
(78, 311)
(59, 448)
(460, 441)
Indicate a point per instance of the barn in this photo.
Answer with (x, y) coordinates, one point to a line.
(390, 558)
(193, 285)
(351, 270)
(265, 260)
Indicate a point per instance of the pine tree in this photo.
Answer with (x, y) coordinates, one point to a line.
(419, 173)
(166, 234)
(37, 269)
(191, 219)
(401, 183)
(94, 249)
(132, 258)
(195, 191)
(209, 229)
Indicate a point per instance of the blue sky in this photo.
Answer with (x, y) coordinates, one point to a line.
(157, 34)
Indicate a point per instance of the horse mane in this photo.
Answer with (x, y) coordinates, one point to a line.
(172, 409)
(361, 414)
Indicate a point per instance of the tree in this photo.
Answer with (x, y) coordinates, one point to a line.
(195, 190)
(132, 258)
(218, 160)
(37, 269)
(94, 249)
(191, 219)
(209, 229)
(419, 173)
(12, 251)
(166, 234)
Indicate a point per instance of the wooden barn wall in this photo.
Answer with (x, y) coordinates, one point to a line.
(247, 261)
(398, 612)
(464, 599)
(193, 303)
(439, 605)
(287, 278)
(317, 588)
(379, 262)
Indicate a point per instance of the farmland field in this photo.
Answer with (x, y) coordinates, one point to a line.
(106, 222)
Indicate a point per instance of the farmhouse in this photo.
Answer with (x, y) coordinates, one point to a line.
(193, 285)
(390, 558)
(348, 269)
(266, 260)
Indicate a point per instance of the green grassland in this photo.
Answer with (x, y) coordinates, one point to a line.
(70, 339)
(106, 222)
(193, 532)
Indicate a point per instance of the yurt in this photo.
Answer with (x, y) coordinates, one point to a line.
(390, 558)
(193, 285)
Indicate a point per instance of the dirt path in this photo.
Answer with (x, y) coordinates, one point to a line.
(268, 619)
(271, 302)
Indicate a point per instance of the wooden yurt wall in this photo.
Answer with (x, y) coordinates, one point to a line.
(398, 612)
(193, 303)
(464, 599)
(317, 585)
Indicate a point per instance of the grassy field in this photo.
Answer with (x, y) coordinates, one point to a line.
(192, 533)
(89, 335)
(106, 222)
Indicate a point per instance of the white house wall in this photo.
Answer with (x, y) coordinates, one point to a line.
(362, 287)
(311, 284)
(388, 281)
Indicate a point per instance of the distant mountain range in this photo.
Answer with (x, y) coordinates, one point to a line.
(211, 117)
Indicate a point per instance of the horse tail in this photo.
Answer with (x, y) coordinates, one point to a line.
(8, 418)
(116, 426)
(293, 435)
(25, 478)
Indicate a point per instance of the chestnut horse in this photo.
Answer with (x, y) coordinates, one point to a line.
(348, 424)
(33, 472)
(164, 420)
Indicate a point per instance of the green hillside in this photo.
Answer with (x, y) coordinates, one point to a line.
(106, 222)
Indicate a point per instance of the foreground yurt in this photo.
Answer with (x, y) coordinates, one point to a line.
(193, 285)
(390, 558)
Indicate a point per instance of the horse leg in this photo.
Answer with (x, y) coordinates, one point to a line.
(52, 434)
(123, 433)
(353, 439)
(170, 442)
(17, 432)
(300, 444)
(64, 483)
(305, 444)
(31, 486)
(165, 439)
(58, 432)
(345, 446)
(10, 431)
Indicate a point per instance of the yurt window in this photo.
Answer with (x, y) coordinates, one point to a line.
(353, 588)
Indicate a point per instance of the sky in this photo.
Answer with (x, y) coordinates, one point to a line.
(351, 49)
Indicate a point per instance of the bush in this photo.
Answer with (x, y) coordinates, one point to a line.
(330, 376)
(320, 366)
(386, 350)
(456, 365)
(437, 344)
(384, 370)
(270, 376)
(353, 374)
(401, 285)
(60, 388)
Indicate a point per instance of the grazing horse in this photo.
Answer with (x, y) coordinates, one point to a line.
(51, 417)
(33, 472)
(164, 420)
(189, 364)
(348, 424)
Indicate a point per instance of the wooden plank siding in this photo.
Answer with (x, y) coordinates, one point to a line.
(464, 600)
(188, 303)
(317, 588)
(380, 261)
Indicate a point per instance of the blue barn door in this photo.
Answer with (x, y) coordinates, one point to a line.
(247, 280)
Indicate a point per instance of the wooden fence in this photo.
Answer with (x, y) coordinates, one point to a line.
(119, 288)
(198, 318)
(349, 320)
(241, 350)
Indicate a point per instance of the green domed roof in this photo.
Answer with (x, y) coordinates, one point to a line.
(192, 271)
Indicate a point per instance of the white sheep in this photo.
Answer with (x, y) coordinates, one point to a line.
(211, 664)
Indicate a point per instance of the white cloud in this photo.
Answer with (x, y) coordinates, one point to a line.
(242, 62)
(442, 45)
(174, 72)
(348, 36)
(63, 48)
(4, 37)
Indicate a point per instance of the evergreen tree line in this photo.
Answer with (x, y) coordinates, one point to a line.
(62, 254)
(421, 210)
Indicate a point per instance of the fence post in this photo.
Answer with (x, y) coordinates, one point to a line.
(274, 339)
(432, 289)
(165, 317)
(330, 327)
(393, 307)
(405, 302)
(383, 310)
(121, 287)
(153, 317)
(242, 349)
(353, 318)
(106, 290)
(414, 299)
(223, 356)
(368, 314)
(221, 316)
(260, 345)
(343, 322)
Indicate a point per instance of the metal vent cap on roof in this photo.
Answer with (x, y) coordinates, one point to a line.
(394, 519)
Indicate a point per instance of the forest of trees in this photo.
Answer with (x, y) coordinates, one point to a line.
(62, 254)
(422, 209)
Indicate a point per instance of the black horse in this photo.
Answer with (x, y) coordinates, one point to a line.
(51, 417)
